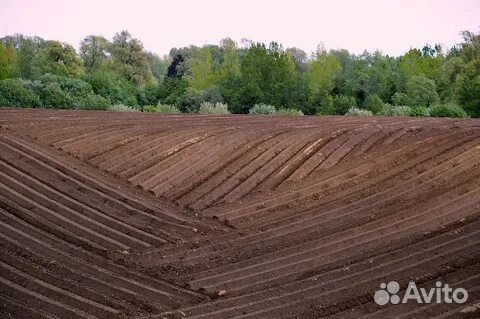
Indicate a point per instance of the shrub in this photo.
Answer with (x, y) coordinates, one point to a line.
(121, 108)
(61, 92)
(17, 93)
(150, 108)
(400, 99)
(447, 110)
(53, 96)
(172, 91)
(193, 99)
(373, 103)
(210, 108)
(262, 109)
(289, 112)
(325, 106)
(397, 110)
(419, 111)
(353, 111)
(167, 109)
(113, 87)
(94, 102)
(148, 94)
(3, 101)
(162, 108)
(75, 90)
(341, 104)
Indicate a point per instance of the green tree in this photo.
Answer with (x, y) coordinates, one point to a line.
(300, 58)
(129, 59)
(18, 93)
(30, 59)
(112, 86)
(61, 59)
(428, 62)
(323, 71)
(465, 73)
(94, 51)
(373, 103)
(356, 79)
(158, 65)
(341, 104)
(421, 91)
(229, 72)
(230, 65)
(202, 75)
(8, 61)
(267, 75)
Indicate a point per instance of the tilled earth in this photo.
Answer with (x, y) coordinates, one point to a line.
(132, 215)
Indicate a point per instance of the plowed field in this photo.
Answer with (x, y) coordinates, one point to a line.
(133, 215)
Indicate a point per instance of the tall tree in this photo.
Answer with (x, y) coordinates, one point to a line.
(158, 65)
(466, 74)
(8, 61)
(129, 58)
(61, 59)
(323, 71)
(299, 57)
(94, 51)
(267, 75)
(202, 74)
(421, 91)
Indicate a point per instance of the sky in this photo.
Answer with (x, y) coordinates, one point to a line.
(392, 27)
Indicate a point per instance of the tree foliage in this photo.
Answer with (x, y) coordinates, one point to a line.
(44, 73)
(94, 51)
(421, 91)
(129, 58)
(267, 75)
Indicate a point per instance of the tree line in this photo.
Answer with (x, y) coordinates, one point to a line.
(431, 80)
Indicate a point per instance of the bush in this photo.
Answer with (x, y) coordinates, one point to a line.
(172, 91)
(94, 102)
(17, 93)
(447, 110)
(77, 88)
(353, 111)
(419, 111)
(400, 99)
(121, 108)
(325, 105)
(150, 108)
(111, 86)
(262, 109)
(66, 93)
(148, 94)
(193, 99)
(341, 104)
(162, 108)
(53, 96)
(72, 91)
(3, 101)
(289, 112)
(373, 103)
(210, 108)
(398, 110)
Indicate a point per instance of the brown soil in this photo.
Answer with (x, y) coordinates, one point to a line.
(127, 215)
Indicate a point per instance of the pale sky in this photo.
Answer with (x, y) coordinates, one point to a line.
(390, 26)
